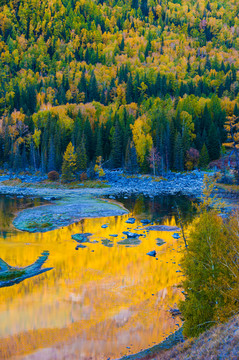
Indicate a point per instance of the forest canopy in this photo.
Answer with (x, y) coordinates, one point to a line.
(119, 79)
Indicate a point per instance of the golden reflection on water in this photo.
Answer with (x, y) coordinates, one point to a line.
(96, 301)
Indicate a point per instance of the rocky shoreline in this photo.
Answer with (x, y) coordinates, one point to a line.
(71, 205)
(188, 183)
(168, 343)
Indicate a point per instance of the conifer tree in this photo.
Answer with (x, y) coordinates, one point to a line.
(135, 4)
(129, 90)
(17, 163)
(131, 163)
(117, 146)
(99, 145)
(82, 86)
(213, 143)
(144, 7)
(93, 88)
(178, 153)
(204, 157)
(88, 136)
(51, 156)
(81, 157)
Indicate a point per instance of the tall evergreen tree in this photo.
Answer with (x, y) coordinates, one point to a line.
(131, 162)
(213, 143)
(93, 88)
(81, 157)
(51, 156)
(204, 157)
(117, 146)
(178, 153)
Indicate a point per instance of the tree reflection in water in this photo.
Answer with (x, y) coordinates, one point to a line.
(97, 301)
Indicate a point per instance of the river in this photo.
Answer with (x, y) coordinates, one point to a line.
(103, 301)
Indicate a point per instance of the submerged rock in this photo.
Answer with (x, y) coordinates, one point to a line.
(130, 242)
(130, 221)
(104, 226)
(81, 238)
(160, 242)
(145, 221)
(162, 228)
(131, 235)
(175, 312)
(107, 242)
(152, 253)
(80, 246)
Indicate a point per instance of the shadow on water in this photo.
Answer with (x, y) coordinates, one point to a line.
(9, 206)
(159, 208)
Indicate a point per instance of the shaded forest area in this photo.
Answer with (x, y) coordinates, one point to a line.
(146, 85)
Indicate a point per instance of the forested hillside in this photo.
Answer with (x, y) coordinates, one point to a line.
(133, 81)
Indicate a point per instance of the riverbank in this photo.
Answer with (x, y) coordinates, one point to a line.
(71, 205)
(72, 202)
(220, 342)
(114, 182)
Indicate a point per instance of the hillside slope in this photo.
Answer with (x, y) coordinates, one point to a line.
(117, 79)
(220, 342)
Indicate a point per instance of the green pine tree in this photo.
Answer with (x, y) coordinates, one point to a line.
(81, 157)
(117, 146)
(204, 157)
(213, 143)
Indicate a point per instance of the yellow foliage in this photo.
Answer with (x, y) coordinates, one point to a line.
(142, 139)
(186, 120)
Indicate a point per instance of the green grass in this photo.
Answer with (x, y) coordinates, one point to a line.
(229, 188)
(96, 184)
(34, 224)
(13, 182)
(11, 274)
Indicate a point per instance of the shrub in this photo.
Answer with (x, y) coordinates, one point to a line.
(210, 265)
(83, 176)
(53, 176)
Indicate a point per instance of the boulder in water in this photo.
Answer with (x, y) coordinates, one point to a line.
(152, 253)
(130, 221)
(80, 246)
(131, 235)
(145, 221)
(81, 238)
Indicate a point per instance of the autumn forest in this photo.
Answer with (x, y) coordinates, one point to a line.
(122, 82)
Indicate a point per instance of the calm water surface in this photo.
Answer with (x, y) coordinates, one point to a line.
(104, 301)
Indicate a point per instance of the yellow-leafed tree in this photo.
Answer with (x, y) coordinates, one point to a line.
(69, 164)
(142, 139)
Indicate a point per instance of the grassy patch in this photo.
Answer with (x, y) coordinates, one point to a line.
(129, 176)
(86, 184)
(97, 184)
(11, 274)
(158, 178)
(12, 182)
(34, 224)
(229, 188)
